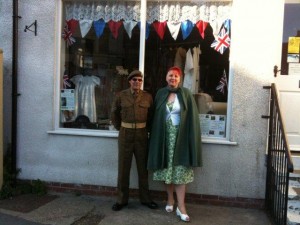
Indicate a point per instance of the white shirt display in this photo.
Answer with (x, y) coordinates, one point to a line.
(191, 70)
(85, 103)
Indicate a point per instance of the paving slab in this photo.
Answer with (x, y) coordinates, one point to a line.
(69, 209)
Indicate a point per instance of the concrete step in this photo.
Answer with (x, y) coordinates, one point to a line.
(296, 159)
(293, 215)
(294, 189)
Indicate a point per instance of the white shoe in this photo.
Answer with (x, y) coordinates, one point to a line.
(183, 217)
(169, 208)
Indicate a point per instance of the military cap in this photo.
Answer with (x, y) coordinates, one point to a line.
(135, 73)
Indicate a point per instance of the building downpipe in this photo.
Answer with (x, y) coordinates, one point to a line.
(14, 89)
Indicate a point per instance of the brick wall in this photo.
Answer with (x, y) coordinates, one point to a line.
(85, 189)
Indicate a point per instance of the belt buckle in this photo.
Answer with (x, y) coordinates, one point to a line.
(133, 125)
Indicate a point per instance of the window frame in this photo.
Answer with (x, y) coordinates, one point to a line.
(56, 129)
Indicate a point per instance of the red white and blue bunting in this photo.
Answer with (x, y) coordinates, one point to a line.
(174, 16)
(222, 42)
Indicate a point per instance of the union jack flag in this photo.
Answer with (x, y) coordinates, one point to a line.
(222, 42)
(67, 82)
(222, 83)
(67, 36)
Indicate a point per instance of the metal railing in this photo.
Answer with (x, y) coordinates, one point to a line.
(279, 164)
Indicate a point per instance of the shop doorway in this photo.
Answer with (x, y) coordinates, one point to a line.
(288, 78)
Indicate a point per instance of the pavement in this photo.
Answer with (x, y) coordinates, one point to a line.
(70, 209)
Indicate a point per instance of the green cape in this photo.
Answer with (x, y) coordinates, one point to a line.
(188, 150)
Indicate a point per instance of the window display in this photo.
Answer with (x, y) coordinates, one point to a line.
(101, 46)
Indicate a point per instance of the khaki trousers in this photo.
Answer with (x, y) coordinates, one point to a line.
(132, 142)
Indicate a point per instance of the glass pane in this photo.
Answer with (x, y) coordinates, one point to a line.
(96, 58)
(291, 37)
(185, 40)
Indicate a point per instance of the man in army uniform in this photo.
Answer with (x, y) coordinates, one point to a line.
(131, 112)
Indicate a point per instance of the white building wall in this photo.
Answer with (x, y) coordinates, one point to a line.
(228, 170)
(6, 46)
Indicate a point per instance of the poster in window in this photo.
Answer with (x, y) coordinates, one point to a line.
(67, 99)
(212, 125)
(294, 68)
(293, 58)
(293, 45)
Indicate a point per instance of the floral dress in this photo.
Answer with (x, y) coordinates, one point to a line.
(173, 174)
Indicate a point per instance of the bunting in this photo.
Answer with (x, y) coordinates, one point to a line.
(85, 26)
(160, 28)
(222, 42)
(72, 25)
(227, 25)
(114, 28)
(186, 28)
(128, 26)
(147, 29)
(67, 36)
(201, 25)
(174, 28)
(99, 26)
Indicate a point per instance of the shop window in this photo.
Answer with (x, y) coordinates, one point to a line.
(101, 46)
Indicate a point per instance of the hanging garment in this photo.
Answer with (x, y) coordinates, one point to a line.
(191, 70)
(180, 58)
(85, 96)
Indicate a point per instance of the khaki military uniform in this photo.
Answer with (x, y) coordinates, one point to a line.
(130, 115)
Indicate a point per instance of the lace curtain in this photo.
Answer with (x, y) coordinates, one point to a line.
(212, 12)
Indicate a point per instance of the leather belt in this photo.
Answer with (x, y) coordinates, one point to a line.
(133, 125)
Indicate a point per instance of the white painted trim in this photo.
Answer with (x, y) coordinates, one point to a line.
(218, 141)
(142, 37)
(58, 68)
(84, 132)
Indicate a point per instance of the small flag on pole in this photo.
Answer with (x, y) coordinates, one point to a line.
(66, 81)
(222, 83)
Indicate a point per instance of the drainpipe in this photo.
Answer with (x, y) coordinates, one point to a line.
(14, 89)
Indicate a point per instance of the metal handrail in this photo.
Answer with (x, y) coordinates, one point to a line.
(279, 164)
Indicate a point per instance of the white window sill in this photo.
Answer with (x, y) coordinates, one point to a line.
(219, 141)
(85, 132)
(114, 134)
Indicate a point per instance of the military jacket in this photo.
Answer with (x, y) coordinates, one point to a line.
(130, 109)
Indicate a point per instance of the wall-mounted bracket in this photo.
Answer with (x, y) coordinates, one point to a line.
(34, 24)
(276, 70)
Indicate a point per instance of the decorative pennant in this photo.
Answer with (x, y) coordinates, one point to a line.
(67, 36)
(222, 83)
(227, 25)
(85, 26)
(147, 29)
(99, 26)
(114, 27)
(128, 26)
(201, 25)
(72, 25)
(186, 28)
(160, 28)
(174, 28)
(222, 42)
